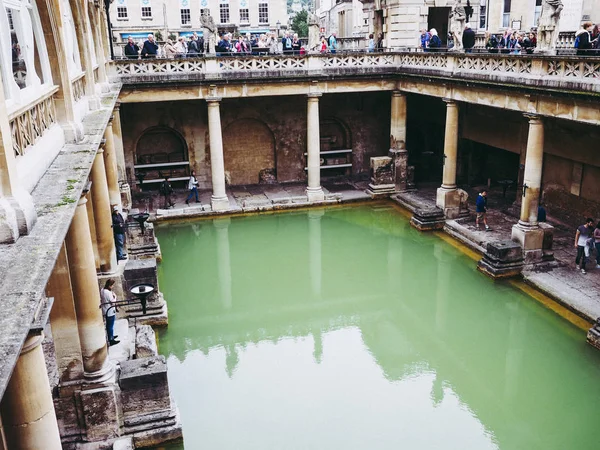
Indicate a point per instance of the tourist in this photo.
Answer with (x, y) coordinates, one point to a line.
(379, 45)
(169, 49)
(262, 41)
(109, 310)
(323, 46)
(150, 47)
(582, 236)
(481, 210)
(597, 244)
(541, 215)
(286, 43)
(371, 47)
(192, 188)
(435, 42)
(242, 46)
(530, 42)
(468, 39)
(491, 42)
(583, 39)
(504, 40)
(118, 226)
(166, 190)
(333, 45)
(425, 37)
(273, 44)
(296, 44)
(132, 51)
(181, 47)
(193, 49)
(224, 46)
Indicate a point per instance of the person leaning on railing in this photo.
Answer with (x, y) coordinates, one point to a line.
(435, 43)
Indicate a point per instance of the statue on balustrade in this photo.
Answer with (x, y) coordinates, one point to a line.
(209, 32)
(548, 25)
(313, 31)
(458, 18)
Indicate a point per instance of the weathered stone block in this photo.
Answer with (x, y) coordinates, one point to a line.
(145, 342)
(502, 259)
(400, 161)
(593, 335)
(67, 418)
(140, 271)
(382, 170)
(100, 412)
(428, 219)
(531, 240)
(449, 201)
(141, 245)
(144, 387)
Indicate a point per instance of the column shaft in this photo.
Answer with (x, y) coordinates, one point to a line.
(450, 145)
(219, 200)
(398, 119)
(63, 321)
(27, 408)
(313, 149)
(102, 216)
(86, 295)
(90, 212)
(110, 164)
(118, 142)
(532, 177)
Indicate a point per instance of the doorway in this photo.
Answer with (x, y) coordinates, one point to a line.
(438, 18)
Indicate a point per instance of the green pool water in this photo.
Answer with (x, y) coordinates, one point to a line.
(345, 328)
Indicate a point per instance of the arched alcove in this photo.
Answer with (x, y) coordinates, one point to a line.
(248, 148)
(161, 145)
(334, 134)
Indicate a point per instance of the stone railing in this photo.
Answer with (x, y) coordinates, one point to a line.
(570, 72)
(78, 88)
(26, 127)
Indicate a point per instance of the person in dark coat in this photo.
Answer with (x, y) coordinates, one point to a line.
(132, 50)
(583, 39)
(150, 48)
(468, 39)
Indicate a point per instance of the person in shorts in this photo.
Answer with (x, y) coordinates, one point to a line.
(481, 210)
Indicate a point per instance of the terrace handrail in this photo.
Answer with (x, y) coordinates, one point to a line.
(571, 72)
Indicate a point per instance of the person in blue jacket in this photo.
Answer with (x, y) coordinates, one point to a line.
(481, 209)
(150, 48)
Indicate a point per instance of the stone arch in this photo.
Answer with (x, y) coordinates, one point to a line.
(160, 145)
(335, 134)
(248, 149)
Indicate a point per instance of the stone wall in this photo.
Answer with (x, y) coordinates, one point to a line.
(264, 133)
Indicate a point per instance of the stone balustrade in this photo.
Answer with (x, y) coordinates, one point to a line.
(567, 73)
(29, 124)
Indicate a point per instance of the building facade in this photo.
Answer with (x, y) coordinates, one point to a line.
(182, 17)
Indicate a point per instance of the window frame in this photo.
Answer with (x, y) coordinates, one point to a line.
(122, 13)
(244, 15)
(265, 6)
(187, 13)
(148, 11)
(224, 12)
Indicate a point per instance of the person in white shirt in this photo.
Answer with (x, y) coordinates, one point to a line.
(109, 310)
(193, 188)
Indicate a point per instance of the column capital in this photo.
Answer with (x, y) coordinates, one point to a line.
(450, 101)
(110, 120)
(33, 340)
(83, 199)
(398, 93)
(102, 145)
(533, 118)
(314, 95)
(213, 100)
(117, 105)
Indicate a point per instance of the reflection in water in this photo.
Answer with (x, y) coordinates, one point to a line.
(394, 342)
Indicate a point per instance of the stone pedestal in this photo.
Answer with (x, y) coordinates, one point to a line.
(502, 259)
(382, 177)
(531, 238)
(428, 219)
(548, 241)
(400, 162)
(141, 246)
(148, 412)
(101, 412)
(593, 335)
(219, 200)
(144, 271)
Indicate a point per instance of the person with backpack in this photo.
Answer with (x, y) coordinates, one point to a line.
(166, 190)
(583, 39)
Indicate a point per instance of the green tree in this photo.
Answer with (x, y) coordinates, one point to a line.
(300, 23)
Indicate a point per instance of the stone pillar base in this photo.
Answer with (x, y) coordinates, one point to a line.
(381, 190)
(9, 228)
(531, 239)
(315, 194)
(448, 200)
(103, 376)
(125, 196)
(142, 245)
(219, 203)
(400, 161)
(502, 259)
(428, 219)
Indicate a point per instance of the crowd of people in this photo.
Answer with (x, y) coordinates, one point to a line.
(194, 45)
(587, 40)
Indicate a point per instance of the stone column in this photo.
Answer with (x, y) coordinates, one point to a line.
(110, 163)
(447, 195)
(314, 251)
(102, 216)
(398, 151)
(526, 231)
(124, 187)
(224, 260)
(90, 212)
(27, 409)
(86, 296)
(17, 212)
(314, 192)
(219, 200)
(63, 321)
